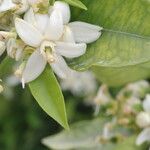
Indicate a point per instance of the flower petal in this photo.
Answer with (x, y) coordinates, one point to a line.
(55, 26)
(42, 20)
(64, 9)
(2, 47)
(70, 50)
(39, 21)
(60, 67)
(68, 35)
(6, 5)
(30, 17)
(84, 32)
(144, 136)
(34, 67)
(28, 33)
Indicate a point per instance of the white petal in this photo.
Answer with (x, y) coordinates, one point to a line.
(2, 47)
(34, 67)
(85, 25)
(70, 50)
(64, 9)
(38, 20)
(30, 17)
(84, 32)
(144, 136)
(42, 21)
(28, 33)
(60, 67)
(68, 35)
(7, 5)
(146, 103)
(55, 26)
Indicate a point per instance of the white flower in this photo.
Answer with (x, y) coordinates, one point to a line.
(6, 5)
(44, 33)
(143, 119)
(76, 31)
(79, 83)
(102, 98)
(144, 136)
(20, 6)
(138, 87)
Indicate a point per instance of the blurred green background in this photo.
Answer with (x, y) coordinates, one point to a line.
(23, 123)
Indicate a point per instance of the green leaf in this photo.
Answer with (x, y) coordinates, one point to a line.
(121, 75)
(6, 66)
(126, 36)
(82, 135)
(76, 3)
(48, 94)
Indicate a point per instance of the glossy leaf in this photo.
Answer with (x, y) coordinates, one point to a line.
(121, 75)
(76, 3)
(47, 93)
(126, 35)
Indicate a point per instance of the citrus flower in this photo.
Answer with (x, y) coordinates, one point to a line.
(47, 34)
(43, 32)
(20, 6)
(77, 31)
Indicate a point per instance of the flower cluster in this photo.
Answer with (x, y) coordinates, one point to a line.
(127, 109)
(44, 37)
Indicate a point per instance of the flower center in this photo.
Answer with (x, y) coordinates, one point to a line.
(48, 51)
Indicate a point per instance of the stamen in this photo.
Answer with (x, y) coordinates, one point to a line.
(50, 57)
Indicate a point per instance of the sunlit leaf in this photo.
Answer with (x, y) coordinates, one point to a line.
(76, 3)
(48, 94)
(126, 36)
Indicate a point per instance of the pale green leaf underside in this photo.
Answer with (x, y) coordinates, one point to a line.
(81, 135)
(47, 93)
(126, 38)
(84, 136)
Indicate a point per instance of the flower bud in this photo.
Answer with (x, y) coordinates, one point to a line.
(143, 119)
